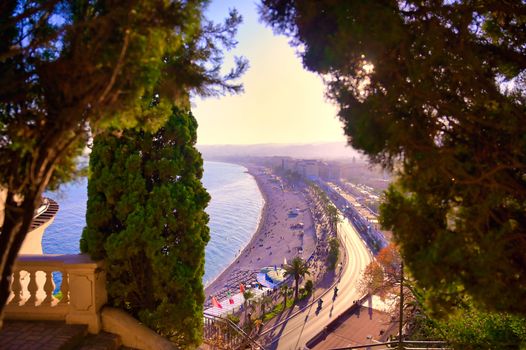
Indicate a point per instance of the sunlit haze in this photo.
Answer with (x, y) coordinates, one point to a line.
(282, 102)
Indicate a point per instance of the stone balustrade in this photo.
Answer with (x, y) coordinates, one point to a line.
(83, 290)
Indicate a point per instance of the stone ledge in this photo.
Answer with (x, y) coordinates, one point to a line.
(133, 333)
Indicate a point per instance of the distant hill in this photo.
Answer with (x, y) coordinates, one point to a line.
(331, 150)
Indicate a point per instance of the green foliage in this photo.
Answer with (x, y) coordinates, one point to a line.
(284, 291)
(89, 63)
(58, 295)
(470, 329)
(248, 295)
(303, 294)
(297, 268)
(334, 252)
(309, 286)
(233, 318)
(435, 90)
(276, 310)
(328, 207)
(264, 302)
(273, 313)
(146, 218)
(106, 65)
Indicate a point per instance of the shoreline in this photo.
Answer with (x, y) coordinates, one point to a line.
(256, 232)
(262, 218)
(274, 226)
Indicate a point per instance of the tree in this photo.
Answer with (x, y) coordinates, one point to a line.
(390, 261)
(333, 216)
(329, 208)
(434, 90)
(309, 286)
(334, 252)
(247, 296)
(284, 291)
(385, 276)
(146, 219)
(265, 301)
(373, 279)
(470, 329)
(297, 268)
(258, 324)
(389, 264)
(71, 69)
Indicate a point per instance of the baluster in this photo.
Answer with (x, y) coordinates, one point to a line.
(11, 294)
(64, 287)
(16, 287)
(49, 287)
(32, 288)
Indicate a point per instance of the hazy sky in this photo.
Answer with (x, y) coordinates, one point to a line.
(282, 102)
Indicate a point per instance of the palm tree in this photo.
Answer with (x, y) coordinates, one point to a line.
(265, 301)
(298, 269)
(284, 291)
(248, 295)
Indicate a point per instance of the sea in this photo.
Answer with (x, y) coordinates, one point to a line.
(234, 210)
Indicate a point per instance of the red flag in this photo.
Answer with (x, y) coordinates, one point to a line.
(242, 288)
(216, 303)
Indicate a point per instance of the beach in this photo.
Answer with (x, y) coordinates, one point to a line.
(278, 237)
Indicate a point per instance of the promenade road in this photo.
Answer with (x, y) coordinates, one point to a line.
(295, 332)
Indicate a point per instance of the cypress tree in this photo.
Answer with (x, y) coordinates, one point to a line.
(146, 218)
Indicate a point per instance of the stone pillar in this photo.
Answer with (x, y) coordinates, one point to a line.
(87, 291)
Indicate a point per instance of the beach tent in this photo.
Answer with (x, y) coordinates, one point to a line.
(271, 276)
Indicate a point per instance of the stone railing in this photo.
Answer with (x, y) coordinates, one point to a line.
(83, 290)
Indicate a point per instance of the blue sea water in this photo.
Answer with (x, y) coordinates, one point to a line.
(234, 210)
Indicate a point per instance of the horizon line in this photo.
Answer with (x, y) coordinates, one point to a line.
(274, 143)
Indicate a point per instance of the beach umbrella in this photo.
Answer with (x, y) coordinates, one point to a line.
(216, 303)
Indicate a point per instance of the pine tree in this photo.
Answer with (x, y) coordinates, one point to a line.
(146, 218)
(436, 91)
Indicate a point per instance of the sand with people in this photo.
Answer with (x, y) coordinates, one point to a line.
(285, 230)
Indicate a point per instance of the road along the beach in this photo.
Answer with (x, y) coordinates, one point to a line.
(295, 332)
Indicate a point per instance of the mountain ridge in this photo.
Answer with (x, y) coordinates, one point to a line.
(319, 150)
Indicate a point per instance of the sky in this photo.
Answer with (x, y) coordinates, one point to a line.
(282, 102)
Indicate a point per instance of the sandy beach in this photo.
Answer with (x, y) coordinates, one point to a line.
(276, 238)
